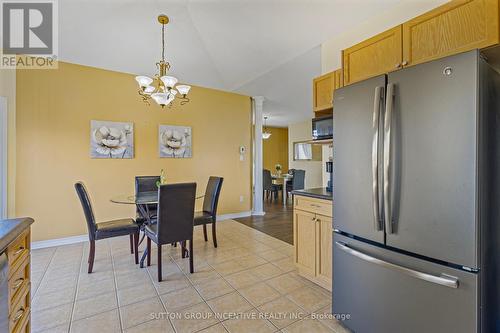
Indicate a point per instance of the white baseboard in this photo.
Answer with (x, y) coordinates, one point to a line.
(233, 216)
(84, 238)
(59, 241)
(255, 213)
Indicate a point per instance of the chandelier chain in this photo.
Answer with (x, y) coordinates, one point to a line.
(163, 42)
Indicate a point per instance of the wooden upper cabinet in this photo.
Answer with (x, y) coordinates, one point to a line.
(377, 55)
(457, 26)
(323, 88)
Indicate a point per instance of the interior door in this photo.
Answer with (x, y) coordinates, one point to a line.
(355, 187)
(383, 291)
(433, 159)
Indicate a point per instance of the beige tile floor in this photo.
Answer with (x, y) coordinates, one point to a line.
(247, 284)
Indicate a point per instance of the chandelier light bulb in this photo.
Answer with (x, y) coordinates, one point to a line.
(143, 81)
(169, 81)
(183, 89)
(161, 98)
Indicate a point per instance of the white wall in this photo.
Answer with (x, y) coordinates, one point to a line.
(302, 132)
(408, 9)
(8, 90)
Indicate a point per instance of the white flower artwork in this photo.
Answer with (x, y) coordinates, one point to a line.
(174, 141)
(109, 139)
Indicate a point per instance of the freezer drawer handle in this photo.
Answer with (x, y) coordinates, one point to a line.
(444, 280)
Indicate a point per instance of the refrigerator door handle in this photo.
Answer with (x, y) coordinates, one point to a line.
(389, 104)
(375, 167)
(443, 279)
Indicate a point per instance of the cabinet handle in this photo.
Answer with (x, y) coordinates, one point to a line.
(405, 63)
(19, 250)
(18, 283)
(18, 315)
(397, 65)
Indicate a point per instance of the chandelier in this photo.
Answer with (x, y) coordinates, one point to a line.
(163, 89)
(265, 133)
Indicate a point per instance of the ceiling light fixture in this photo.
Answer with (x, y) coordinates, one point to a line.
(163, 89)
(265, 133)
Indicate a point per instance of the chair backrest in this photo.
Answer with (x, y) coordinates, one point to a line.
(291, 171)
(298, 179)
(175, 212)
(87, 208)
(267, 180)
(211, 199)
(146, 184)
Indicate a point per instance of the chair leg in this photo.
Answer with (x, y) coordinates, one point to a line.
(159, 262)
(148, 248)
(91, 256)
(183, 250)
(191, 265)
(205, 232)
(136, 247)
(214, 234)
(131, 244)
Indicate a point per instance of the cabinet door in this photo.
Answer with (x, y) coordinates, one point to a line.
(324, 250)
(338, 79)
(304, 237)
(323, 92)
(458, 26)
(377, 55)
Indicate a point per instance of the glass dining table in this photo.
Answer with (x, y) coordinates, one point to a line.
(285, 178)
(142, 201)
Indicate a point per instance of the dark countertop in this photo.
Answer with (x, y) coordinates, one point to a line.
(10, 229)
(318, 192)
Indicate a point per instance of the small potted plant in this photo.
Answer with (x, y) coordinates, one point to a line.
(278, 169)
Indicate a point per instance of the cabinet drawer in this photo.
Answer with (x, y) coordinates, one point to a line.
(18, 249)
(317, 206)
(20, 310)
(18, 280)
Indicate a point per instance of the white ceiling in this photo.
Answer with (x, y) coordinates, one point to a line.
(256, 47)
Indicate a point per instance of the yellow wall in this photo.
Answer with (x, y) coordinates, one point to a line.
(54, 110)
(275, 149)
(8, 90)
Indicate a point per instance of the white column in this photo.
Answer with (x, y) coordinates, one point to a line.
(258, 200)
(3, 157)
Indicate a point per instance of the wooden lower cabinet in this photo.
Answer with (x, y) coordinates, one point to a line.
(324, 250)
(312, 235)
(305, 241)
(18, 253)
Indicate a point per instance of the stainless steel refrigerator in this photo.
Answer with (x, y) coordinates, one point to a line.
(416, 218)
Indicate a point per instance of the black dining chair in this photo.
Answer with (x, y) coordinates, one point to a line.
(106, 229)
(174, 221)
(298, 181)
(270, 189)
(144, 184)
(210, 202)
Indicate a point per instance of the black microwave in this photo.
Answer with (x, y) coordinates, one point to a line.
(322, 128)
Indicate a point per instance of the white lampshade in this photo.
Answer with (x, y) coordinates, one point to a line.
(161, 98)
(143, 81)
(149, 90)
(183, 89)
(266, 135)
(169, 81)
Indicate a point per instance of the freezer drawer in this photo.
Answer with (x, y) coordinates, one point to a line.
(384, 291)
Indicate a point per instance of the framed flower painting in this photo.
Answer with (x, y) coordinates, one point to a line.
(109, 139)
(174, 141)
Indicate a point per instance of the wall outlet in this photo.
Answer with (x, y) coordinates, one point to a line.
(242, 198)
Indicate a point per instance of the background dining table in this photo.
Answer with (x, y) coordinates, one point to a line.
(142, 202)
(285, 177)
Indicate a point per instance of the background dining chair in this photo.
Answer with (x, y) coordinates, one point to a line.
(269, 188)
(106, 229)
(145, 184)
(175, 220)
(210, 202)
(298, 180)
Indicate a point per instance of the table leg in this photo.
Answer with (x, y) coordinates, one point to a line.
(145, 213)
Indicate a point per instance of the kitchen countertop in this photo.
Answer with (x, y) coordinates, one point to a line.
(318, 192)
(10, 229)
